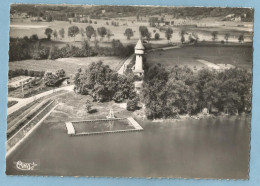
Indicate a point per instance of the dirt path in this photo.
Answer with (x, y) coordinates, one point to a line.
(127, 61)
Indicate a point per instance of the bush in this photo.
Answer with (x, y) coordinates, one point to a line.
(118, 97)
(157, 36)
(131, 105)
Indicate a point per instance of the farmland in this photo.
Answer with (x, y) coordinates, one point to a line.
(237, 55)
(70, 65)
(24, 27)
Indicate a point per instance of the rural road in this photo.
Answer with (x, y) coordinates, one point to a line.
(25, 101)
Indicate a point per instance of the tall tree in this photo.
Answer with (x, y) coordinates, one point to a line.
(227, 35)
(214, 35)
(168, 34)
(55, 34)
(157, 36)
(241, 38)
(62, 33)
(73, 31)
(90, 31)
(129, 33)
(48, 32)
(182, 34)
(102, 31)
(82, 32)
(109, 34)
(143, 31)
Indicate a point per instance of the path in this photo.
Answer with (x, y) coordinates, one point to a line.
(127, 62)
(25, 101)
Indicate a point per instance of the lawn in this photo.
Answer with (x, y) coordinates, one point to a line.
(237, 55)
(70, 65)
(73, 109)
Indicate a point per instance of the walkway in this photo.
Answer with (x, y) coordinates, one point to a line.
(127, 62)
(25, 101)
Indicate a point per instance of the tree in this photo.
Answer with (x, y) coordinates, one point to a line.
(214, 35)
(118, 96)
(90, 31)
(109, 34)
(55, 34)
(62, 32)
(73, 31)
(182, 33)
(143, 31)
(129, 33)
(157, 36)
(49, 18)
(88, 105)
(34, 37)
(241, 38)
(193, 37)
(153, 20)
(50, 79)
(154, 91)
(131, 105)
(82, 32)
(102, 31)
(48, 32)
(168, 34)
(227, 35)
(61, 73)
(148, 37)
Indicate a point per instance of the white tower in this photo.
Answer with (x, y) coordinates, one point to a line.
(139, 52)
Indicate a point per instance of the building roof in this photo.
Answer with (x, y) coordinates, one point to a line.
(139, 45)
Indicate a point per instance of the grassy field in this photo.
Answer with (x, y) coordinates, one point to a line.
(70, 65)
(239, 55)
(72, 108)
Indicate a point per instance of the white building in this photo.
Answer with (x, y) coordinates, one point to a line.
(139, 52)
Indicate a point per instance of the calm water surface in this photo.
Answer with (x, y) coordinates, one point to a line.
(208, 148)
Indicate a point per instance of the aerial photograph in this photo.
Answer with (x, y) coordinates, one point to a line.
(129, 91)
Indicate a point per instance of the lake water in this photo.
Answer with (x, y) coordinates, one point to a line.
(208, 148)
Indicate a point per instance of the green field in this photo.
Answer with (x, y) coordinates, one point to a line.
(237, 55)
(70, 65)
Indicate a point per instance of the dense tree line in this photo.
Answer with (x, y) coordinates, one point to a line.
(168, 93)
(25, 72)
(31, 48)
(62, 12)
(104, 84)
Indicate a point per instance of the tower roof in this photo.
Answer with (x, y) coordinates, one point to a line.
(139, 45)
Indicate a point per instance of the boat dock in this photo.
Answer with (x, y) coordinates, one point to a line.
(135, 124)
(70, 128)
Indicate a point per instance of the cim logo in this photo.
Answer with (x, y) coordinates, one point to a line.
(25, 166)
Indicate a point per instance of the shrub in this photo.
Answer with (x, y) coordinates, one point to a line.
(131, 105)
(157, 36)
